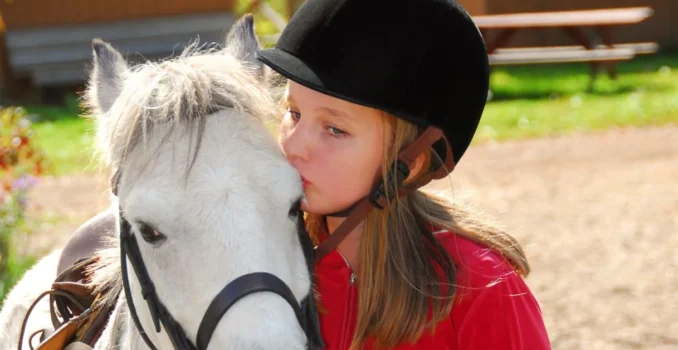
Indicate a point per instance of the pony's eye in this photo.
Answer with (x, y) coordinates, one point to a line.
(149, 234)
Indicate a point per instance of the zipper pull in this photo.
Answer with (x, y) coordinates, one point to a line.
(353, 278)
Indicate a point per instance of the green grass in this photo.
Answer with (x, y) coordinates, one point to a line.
(262, 25)
(527, 101)
(21, 258)
(65, 136)
(533, 101)
(16, 267)
(68, 145)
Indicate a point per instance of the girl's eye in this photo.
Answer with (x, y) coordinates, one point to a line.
(335, 131)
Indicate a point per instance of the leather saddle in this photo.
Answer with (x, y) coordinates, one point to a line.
(76, 316)
(87, 239)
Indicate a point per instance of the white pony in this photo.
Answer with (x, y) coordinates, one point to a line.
(207, 190)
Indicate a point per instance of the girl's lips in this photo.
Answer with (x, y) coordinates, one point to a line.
(305, 182)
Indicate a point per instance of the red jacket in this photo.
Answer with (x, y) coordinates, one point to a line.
(494, 310)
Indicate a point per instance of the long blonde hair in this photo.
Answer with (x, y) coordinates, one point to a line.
(402, 292)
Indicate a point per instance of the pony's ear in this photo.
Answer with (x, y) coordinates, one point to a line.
(242, 42)
(109, 70)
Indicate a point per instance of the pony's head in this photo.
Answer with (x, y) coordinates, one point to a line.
(206, 189)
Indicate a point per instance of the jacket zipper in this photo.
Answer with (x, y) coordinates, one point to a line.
(348, 318)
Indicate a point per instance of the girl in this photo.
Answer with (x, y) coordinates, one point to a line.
(382, 97)
(376, 108)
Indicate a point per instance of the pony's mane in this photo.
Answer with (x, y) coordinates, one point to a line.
(106, 273)
(182, 90)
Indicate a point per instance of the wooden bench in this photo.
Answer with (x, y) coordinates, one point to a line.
(596, 51)
(638, 48)
(557, 55)
(601, 54)
(57, 56)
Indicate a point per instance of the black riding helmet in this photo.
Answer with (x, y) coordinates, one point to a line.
(424, 61)
(420, 60)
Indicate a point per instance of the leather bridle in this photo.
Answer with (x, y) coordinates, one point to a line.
(242, 286)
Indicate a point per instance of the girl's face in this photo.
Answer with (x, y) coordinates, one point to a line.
(336, 146)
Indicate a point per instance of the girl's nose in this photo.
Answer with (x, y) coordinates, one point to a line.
(295, 142)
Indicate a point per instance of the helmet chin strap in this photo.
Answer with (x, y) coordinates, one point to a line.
(382, 196)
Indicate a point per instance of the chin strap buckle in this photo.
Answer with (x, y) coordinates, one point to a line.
(389, 189)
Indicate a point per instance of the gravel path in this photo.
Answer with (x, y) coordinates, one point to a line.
(598, 216)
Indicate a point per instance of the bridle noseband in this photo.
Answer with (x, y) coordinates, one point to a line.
(235, 290)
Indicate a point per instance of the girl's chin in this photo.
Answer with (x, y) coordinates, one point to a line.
(307, 205)
(304, 206)
(311, 204)
(315, 210)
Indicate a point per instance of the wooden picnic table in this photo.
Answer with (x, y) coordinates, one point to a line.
(599, 17)
(573, 24)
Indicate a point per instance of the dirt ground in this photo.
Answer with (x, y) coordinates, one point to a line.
(597, 215)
